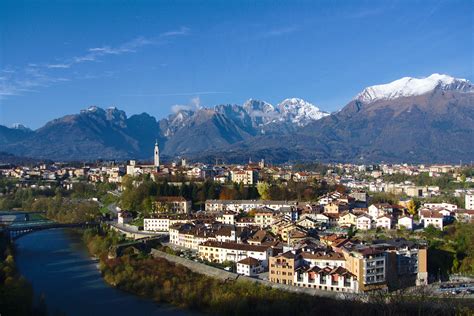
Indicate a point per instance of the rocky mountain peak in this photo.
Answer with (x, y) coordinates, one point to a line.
(408, 86)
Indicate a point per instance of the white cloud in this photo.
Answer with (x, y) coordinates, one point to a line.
(279, 31)
(194, 104)
(16, 81)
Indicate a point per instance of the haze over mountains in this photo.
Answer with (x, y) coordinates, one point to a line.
(408, 120)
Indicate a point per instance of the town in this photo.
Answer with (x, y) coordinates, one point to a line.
(341, 228)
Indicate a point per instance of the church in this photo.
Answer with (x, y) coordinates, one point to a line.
(134, 169)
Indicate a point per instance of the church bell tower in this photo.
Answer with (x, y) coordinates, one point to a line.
(157, 155)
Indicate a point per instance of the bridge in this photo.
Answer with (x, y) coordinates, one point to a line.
(17, 230)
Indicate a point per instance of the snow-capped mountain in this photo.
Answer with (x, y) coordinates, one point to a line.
(299, 112)
(253, 114)
(261, 112)
(408, 86)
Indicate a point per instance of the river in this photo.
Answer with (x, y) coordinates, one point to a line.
(57, 264)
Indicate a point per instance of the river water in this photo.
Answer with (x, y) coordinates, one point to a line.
(58, 266)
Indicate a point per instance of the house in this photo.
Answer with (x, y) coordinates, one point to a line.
(406, 222)
(227, 218)
(429, 217)
(172, 204)
(347, 219)
(466, 216)
(377, 210)
(250, 267)
(364, 222)
(307, 222)
(384, 221)
(124, 217)
(259, 237)
(335, 207)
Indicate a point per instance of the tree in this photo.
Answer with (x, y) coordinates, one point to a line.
(263, 190)
(412, 207)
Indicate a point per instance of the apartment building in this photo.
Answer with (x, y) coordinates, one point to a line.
(246, 205)
(246, 177)
(319, 270)
(189, 235)
(162, 223)
(368, 264)
(214, 251)
(264, 217)
(469, 200)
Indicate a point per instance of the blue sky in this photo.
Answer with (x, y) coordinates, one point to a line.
(57, 57)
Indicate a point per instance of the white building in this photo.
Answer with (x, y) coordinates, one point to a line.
(219, 252)
(245, 205)
(156, 155)
(250, 267)
(364, 222)
(384, 222)
(161, 223)
(247, 176)
(449, 207)
(124, 217)
(469, 199)
(227, 218)
(433, 218)
(406, 222)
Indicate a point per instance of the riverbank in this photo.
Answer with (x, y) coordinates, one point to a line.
(168, 282)
(60, 269)
(16, 293)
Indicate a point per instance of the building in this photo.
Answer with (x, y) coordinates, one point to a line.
(282, 268)
(347, 219)
(189, 235)
(319, 270)
(156, 156)
(124, 217)
(364, 222)
(384, 222)
(246, 176)
(227, 218)
(406, 222)
(447, 206)
(172, 204)
(406, 262)
(250, 267)
(469, 200)
(214, 251)
(368, 264)
(163, 222)
(246, 205)
(377, 210)
(264, 217)
(430, 217)
(466, 216)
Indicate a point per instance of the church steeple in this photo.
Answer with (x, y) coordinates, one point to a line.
(157, 155)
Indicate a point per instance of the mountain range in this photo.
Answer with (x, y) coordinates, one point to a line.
(408, 120)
